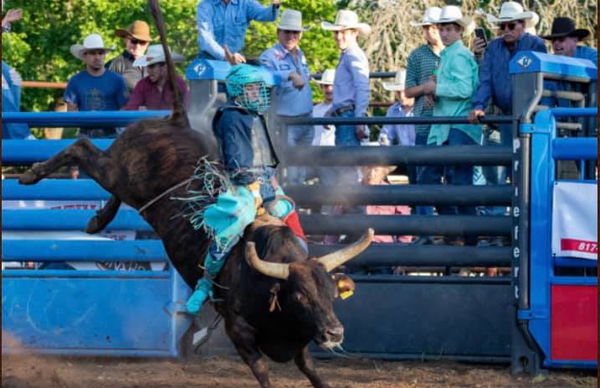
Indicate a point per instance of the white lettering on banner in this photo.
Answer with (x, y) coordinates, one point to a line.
(575, 220)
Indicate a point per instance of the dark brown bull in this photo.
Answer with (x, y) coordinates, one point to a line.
(274, 306)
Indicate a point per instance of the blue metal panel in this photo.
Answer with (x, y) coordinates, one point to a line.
(49, 219)
(85, 250)
(535, 62)
(208, 69)
(570, 364)
(93, 315)
(118, 118)
(54, 189)
(575, 148)
(575, 280)
(23, 151)
(574, 262)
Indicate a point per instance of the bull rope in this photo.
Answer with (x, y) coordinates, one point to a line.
(161, 195)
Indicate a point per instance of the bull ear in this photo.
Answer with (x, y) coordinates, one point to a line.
(274, 270)
(339, 257)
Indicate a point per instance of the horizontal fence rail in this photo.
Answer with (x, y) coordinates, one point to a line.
(400, 195)
(397, 155)
(54, 189)
(394, 120)
(95, 119)
(575, 148)
(420, 225)
(24, 151)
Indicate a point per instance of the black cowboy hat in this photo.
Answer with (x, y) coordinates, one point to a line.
(563, 27)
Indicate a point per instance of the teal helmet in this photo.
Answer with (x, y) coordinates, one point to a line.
(259, 99)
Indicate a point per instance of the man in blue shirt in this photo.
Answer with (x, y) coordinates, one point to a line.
(495, 84)
(95, 88)
(224, 22)
(293, 97)
(351, 90)
(11, 102)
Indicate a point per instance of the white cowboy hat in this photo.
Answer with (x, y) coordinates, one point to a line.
(91, 42)
(291, 20)
(346, 20)
(432, 14)
(398, 83)
(327, 77)
(453, 14)
(511, 11)
(155, 54)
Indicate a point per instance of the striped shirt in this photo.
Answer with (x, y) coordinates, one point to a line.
(421, 64)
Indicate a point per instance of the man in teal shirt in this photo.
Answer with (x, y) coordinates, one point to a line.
(451, 90)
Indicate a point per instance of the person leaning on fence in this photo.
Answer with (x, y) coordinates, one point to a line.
(95, 88)
(249, 161)
(293, 96)
(153, 92)
(224, 22)
(137, 38)
(495, 84)
(420, 66)
(351, 90)
(452, 88)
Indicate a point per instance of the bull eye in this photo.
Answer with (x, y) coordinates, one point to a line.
(300, 297)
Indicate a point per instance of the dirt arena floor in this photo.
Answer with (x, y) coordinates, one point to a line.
(229, 371)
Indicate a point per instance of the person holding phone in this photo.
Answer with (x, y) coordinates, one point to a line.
(495, 86)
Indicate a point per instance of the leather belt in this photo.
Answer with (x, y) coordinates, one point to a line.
(341, 110)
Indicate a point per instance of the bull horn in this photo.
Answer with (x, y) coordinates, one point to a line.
(339, 257)
(274, 270)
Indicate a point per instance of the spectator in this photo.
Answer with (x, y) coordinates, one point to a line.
(421, 64)
(224, 22)
(495, 83)
(153, 92)
(565, 38)
(136, 38)
(11, 87)
(95, 88)
(377, 175)
(293, 97)
(400, 134)
(351, 91)
(324, 134)
(453, 86)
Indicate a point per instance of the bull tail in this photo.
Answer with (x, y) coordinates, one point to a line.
(179, 114)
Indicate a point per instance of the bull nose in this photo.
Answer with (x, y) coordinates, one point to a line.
(335, 334)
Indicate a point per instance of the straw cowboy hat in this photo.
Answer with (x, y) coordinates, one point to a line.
(511, 11)
(291, 20)
(453, 14)
(327, 77)
(346, 20)
(156, 54)
(139, 30)
(565, 27)
(432, 14)
(91, 42)
(398, 83)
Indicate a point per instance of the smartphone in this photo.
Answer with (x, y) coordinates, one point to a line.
(480, 33)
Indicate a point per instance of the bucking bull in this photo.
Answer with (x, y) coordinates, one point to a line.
(274, 305)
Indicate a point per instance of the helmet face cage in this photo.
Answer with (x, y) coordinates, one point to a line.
(237, 81)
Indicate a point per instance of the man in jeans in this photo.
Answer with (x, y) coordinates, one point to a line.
(421, 64)
(351, 91)
(452, 88)
(293, 97)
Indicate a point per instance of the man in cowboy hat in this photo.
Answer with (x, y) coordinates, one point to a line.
(495, 85)
(224, 23)
(293, 96)
(153, 91)
(453, 86)
(351, 90)
(565, 38)
(137, 38)
(420, 66)
(95, 88)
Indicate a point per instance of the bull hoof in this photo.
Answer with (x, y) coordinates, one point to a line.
(93, 226)
(29, 177)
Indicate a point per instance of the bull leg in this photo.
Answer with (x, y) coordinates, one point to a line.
(103, 216)
(83, 153)
(242, 336)
(306, 365)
